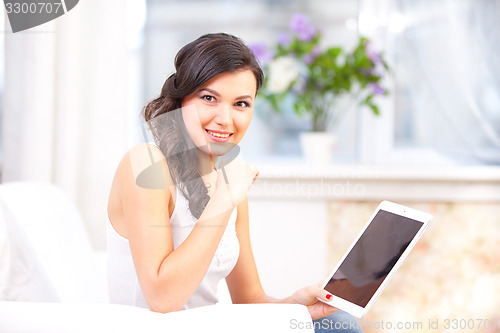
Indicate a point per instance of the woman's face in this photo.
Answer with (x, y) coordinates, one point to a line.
(217, 114)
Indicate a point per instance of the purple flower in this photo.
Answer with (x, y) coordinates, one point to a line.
(377, 90)
(298, 22)
(302, 27)
(316, 51)
(260, 51)
(309, 58)
(307, 34)
(373, 56)
(284, 39)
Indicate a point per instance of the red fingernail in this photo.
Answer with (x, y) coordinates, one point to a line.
(328, 297)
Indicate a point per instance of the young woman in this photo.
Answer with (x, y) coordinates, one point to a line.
(177, 208)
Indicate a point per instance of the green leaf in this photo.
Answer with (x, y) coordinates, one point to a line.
(333, 52)
(297, 109)
(374, 109)
(368, 99)
(274, 102)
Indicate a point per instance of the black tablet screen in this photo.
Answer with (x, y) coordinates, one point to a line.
(372, 257)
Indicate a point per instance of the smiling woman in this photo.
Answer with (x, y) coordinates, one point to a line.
(178, 212)
(213, 72)
(224, 108)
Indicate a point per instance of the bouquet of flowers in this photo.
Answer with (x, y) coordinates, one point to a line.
(315, 77)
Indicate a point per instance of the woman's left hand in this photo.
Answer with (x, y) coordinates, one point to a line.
(307, 296)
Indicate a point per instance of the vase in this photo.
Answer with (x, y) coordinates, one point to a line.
(318, 147)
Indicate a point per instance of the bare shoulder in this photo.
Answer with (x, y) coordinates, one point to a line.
(143, 166)
(141, 186)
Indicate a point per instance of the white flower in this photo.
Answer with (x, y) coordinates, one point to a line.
(282, 72)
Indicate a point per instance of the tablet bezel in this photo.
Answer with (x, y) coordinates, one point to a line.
(391, 207)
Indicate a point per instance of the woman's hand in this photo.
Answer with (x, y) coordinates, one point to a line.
(235, 179)
(307, 296)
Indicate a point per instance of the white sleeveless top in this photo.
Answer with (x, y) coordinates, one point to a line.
(123, 285)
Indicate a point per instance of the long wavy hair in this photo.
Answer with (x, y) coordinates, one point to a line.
(195, 64)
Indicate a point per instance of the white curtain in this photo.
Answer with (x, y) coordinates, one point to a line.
(65, 102)
(447, 69)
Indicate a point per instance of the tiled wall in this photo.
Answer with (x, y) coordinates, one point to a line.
(450, 282)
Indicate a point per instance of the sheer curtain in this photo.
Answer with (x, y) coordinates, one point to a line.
(65, 102)
(447, 73)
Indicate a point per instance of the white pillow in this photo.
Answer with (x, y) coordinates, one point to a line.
(55, 230)
(22, 278)
(30, 317)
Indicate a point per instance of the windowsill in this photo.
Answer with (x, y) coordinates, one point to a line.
(293, 178)
(300, 169)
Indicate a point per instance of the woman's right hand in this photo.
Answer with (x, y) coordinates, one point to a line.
(235, 179)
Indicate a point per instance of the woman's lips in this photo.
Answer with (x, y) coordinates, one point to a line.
(219, 136)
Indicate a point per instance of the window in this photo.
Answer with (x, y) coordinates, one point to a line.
(446, 92)
(444, 100)
(2, 80)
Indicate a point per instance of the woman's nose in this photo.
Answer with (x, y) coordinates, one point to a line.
(224, 115)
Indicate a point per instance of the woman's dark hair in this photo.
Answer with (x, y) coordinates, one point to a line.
(195, 64)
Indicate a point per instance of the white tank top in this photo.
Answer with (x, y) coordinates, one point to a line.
(123, 285)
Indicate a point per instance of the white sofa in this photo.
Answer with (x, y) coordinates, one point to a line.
(52, 281)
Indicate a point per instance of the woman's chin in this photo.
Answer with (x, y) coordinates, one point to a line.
(218, 149)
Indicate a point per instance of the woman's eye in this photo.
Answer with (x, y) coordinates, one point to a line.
(242, 104)
(208, 98)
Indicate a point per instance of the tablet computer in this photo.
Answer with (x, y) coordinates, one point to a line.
(375, 255)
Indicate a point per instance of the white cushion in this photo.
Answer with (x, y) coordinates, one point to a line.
(97, 318)
(22, 277)
(56, 232)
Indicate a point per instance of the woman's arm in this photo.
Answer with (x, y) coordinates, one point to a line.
(244, 284)
(167, 278)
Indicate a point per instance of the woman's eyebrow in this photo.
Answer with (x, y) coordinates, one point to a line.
(244, 97)
(213, 92)
(216, 94)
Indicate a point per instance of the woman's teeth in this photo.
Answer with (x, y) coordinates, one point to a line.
(219, 135)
